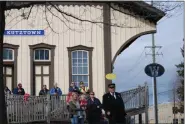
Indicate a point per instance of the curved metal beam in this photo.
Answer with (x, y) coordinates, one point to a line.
(130, 41)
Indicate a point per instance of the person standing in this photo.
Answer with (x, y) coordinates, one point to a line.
(7, 90)
(55, 91)
(83, 89)
(114, 106)
(44, 91)
(75, 110)
(19, 90)
(73, 88)
(93, 109)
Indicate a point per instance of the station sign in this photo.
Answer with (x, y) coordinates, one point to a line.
(24, 32)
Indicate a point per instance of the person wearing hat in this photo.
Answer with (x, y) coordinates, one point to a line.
(114, 106)
(83, 89)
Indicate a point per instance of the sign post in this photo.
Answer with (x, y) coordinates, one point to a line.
(155, 70)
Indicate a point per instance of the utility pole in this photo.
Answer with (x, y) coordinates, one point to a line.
(154, 80)
(154, 83)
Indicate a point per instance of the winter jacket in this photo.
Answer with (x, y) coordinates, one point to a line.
(56, 90)
(19, 91)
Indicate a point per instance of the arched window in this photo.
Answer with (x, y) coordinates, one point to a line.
(80, 66)
(8, 54)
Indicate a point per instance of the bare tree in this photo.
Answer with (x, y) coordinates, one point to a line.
(171, 8)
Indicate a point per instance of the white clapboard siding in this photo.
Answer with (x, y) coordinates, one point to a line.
(69, 32)
(87, 34)
(131, 27)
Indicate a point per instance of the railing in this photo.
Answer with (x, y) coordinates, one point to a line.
(135, 98)
(36, 108)
(52, 108)
(136, 102)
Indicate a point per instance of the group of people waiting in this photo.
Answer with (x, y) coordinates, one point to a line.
(84, 105)
(19, 90)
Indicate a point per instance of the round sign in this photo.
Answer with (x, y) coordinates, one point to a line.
(154, 70)
(111, 76)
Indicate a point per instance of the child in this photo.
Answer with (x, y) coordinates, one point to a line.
(83, 104)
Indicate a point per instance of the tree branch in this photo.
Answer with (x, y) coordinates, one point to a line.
(60, 19)
(84, 20)
(29, 12)
(49, 22)
(24, 5)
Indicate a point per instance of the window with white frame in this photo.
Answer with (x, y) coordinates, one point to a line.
(80, 66)
(41, 55)
(8, 54)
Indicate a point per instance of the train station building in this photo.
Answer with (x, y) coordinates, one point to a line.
(73, 42)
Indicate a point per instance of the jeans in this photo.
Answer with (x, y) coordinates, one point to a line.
(76, 120)
(80, 113)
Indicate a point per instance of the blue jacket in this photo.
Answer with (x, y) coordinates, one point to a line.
(15, 91)
(56, 90)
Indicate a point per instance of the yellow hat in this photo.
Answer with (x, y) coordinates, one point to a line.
(81, 82)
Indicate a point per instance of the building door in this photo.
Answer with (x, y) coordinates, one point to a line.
(8, 76)
(41, 77)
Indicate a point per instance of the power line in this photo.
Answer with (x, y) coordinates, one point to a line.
(137, 62)
(134, 77)
(159, 93)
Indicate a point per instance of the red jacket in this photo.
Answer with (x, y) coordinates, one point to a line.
(83, 102)
(69, 95)
(26, 96)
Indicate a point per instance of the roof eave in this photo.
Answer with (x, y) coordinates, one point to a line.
(140, 6)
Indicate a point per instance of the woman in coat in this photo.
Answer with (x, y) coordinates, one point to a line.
(94, 112)
(75, 110)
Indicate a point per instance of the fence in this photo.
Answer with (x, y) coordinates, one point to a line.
(36, 108)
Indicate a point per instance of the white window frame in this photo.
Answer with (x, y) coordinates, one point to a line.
(82, 65)
(9, 60)
(43, 60)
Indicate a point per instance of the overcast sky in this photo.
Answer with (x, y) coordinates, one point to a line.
(129, 65)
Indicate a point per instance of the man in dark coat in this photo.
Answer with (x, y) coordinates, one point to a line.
(114, 106)
(44, 91)
(74, 88)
